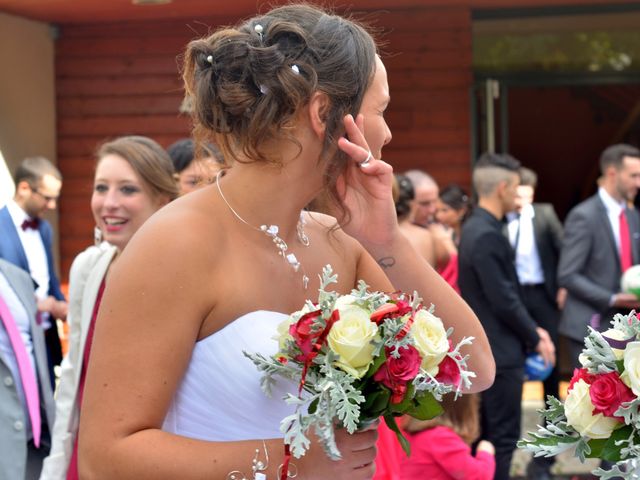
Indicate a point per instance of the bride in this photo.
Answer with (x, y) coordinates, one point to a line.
(169, 393)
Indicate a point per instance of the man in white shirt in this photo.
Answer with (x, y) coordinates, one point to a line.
(536, 236)
(26, 241)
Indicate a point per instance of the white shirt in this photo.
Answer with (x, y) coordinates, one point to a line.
(613, 213)
(21, 318)
(528, 265)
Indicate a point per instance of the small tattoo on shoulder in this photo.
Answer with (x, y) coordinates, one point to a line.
(386, 262)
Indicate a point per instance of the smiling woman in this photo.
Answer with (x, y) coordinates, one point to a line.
(133, 179)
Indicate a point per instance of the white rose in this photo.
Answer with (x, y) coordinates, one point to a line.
(631, 375)
(344, 301)
(282, 329)
(283, 334)
(352, 338)
(431, 340)
(578, 410)
(614, 334)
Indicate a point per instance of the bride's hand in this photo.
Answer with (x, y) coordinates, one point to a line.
(358, 457)
(366, 189)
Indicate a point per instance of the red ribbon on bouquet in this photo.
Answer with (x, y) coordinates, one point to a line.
(308, 359)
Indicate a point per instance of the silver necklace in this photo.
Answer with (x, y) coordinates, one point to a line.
(272, 232)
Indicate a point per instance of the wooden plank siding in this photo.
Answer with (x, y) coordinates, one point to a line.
(117, 79)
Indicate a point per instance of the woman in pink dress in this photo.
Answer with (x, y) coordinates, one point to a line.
(452, 209)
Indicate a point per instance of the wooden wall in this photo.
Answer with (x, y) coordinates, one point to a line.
(117, 79)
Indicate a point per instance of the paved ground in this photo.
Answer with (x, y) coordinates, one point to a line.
(566, 466)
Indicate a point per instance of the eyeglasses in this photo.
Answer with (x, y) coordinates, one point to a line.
(47, 198)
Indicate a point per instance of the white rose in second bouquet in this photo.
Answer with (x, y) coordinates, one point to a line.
(431, 340)
(352, 338)
(615, 334)
(578, 410)
(631, 375)
(612, 334)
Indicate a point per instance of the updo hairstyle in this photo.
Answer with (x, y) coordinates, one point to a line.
(403, 195)
(248, 82)
(455, 197)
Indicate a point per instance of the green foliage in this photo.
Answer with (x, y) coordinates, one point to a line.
(390, 420)
(424, 407)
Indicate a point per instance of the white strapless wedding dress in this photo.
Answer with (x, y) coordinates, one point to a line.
(220, 398)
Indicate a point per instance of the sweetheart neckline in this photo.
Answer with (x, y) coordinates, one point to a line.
(241, 317)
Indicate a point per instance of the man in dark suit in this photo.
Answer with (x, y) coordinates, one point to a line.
(536, 236)
(26, 239)
(23, 444)
(601, 237)
(489, 283)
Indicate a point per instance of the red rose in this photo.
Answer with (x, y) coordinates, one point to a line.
(390, 310)
(396, 372)
(304, 335)
(580, 374)
(608, 392)
(448, 372)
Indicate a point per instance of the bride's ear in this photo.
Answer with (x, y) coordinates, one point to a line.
(318, 109)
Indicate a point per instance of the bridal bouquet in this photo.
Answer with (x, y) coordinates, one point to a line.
(359, 357)
(600, 417)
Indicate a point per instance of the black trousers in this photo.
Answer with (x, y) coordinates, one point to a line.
(546, 314)
(501, 411)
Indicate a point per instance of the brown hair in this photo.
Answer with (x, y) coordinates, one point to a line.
(460, 415)
(32, 169)
(614, 155)
(148, 159)
(248, 82)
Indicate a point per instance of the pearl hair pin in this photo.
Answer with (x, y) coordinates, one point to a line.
(258, 29)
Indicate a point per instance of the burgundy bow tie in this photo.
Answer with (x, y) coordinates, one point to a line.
(31, 223)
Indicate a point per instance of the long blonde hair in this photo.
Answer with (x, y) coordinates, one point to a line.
(461, 416)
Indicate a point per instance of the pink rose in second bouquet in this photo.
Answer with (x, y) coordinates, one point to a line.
(580, 374)
(608, 392)
(449, 372)
(395, 372)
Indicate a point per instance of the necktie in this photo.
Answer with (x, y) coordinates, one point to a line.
(30, 223)
(626, 259)
(27, 375)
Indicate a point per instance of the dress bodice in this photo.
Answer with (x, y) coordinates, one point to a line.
(220, 398)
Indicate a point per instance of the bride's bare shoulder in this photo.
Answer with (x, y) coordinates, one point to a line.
(190, 226)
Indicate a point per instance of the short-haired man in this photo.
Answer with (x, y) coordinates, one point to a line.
(26, 241)
(489, 283)
(423, 214)
(425, 202)
(601, 237)
(535, 232)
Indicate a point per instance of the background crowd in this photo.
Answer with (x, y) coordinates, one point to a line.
(503, 252)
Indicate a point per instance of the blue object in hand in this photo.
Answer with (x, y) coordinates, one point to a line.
(535, 369)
